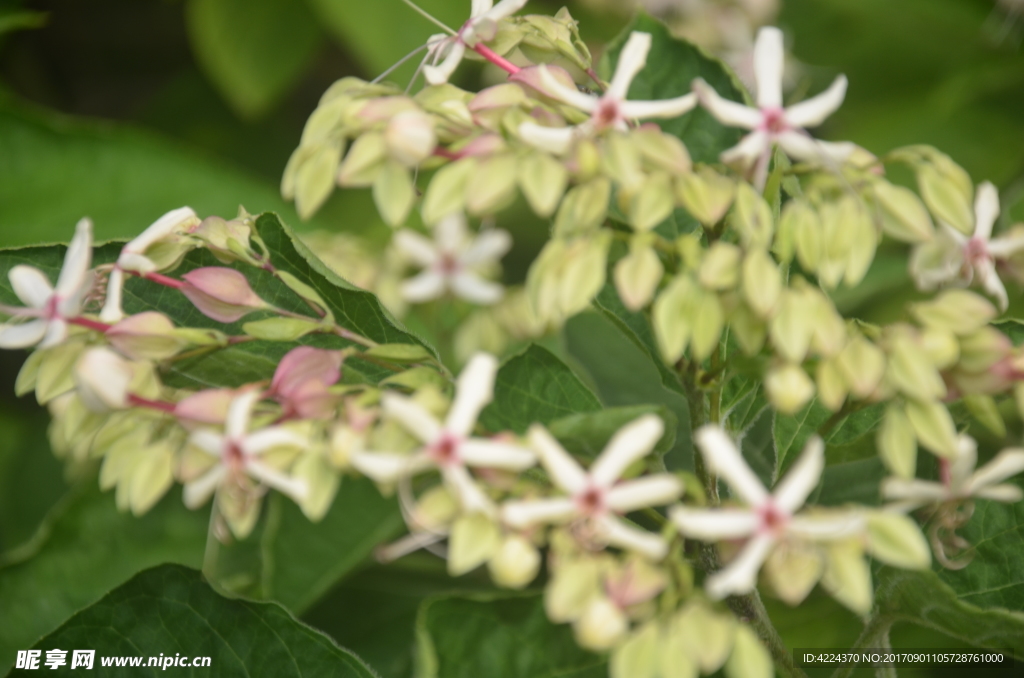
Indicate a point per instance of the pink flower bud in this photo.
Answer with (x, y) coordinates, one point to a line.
(146, 336)
(301, 381)
(221, 293)
(206, 407)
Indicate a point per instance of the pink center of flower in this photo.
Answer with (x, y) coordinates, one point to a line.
(774, 121)
(591, 501)
(772, 519)
(445, 451)
(234, 457)
(607, 113)
(976, 251)
(50, 312)
(448, 264)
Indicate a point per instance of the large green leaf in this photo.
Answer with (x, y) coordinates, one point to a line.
(170, 610)
(672, 66)
(85, 548)
(535, 386)
(253, 51)
(586, 434)
(30, 477)
(794, 430)
(498, 636)
(57, 169)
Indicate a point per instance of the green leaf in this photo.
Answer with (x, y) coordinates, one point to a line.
(12, 20)
(535, 386)
(1012, 328)
(672, 66)
(253, 52)
(587, 434)
(793, 431)
(121, 177)
(923, 599)
(170, 610)
(82, 550)
(31, 481)
(509, 637)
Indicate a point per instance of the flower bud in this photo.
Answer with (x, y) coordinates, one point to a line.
(910, 371)
(762, 282)
(206, 407)
(221, 293)
(896, 540)
(672, 316)
(474, 538)
(933, 427)
(832, 386)
(705, 194)
(103, 379)
(720, 268)
(897, 445)
(638, 656)
(862, 364)
(980, 350)
(435, 509)
(542, 180)
(321, 480)
(752, 217)
(959, 311)
(301, 380)
(145, 336)
(516, 563)
(789, 388)
(749, 658)
(410, 137)
(652, 204)
(601, 625)
(492, 186)
(945, 195)
(572, 585)
(904, 217)
(847, 575)
(583, 208)
(363, 161)
(218, 233)
(637, 276)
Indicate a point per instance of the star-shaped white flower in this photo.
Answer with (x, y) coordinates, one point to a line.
(448, 446)
(133, 257)
(481, 26)
(953, 257)
(767, 519)
(610, 110)
(238, 453)
(960, 480)
(49, 308)
(596, 497)
(769, 122)
(450, 260)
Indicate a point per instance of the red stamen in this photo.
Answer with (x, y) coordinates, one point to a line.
(164, 280)
(91, 324)
(502, 63)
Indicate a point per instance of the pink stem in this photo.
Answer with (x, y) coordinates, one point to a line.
(443, 152)
(139, 401)
(91, 324)
(502, 63)
(164, 280)
(944, 474)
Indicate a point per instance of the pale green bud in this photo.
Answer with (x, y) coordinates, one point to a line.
(416, 378)
(945, 195)
(571, 587)
(322, 483)
(56, 370)
(836, 243)
(705, 194)
(832, 385)
(863, 240)
(793, 325)
(691, 251)
(789, 388)
(904, 216)
(481, 331)
(280, 329)
(435, 509)
(652, 203)
(393, 193)
(933, 426)
(446, 193)
(720, 268)
(749, 330)
(749, 658)
(584, 272)
(981, 349)
(958, 311)
(637, 276)
(896, 540)
(363, 160)
(793, 568)
(752, 218)
(240, 510)
(941, 347)
(586, 160)
(910, 371)
(474, 539)
(706, 636)
(707, 323)
(897, 443)
(601, 626)
(663, 151)
(583, 208)
(637, 657)
(621, 161)
(542, 180)
(29, 373)
(151, 477)
(410, 137)
(673, 660)
(762, 282)
(847, 575)
(492, 185)
(862, 365)
(516, 563)
(803, 222)
(672, 315)
(984, 409)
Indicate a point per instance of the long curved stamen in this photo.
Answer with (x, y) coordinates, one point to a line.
(429, 17)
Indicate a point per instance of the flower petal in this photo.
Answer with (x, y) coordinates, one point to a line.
(725, 459)
(475, 289)
(23, 335)
(1004, 247)
(825, 527)
(632, 59)
(666, 108)
(438, 75)
(411, 416)
(503, 9)
(555, 140)
(490, 245)
(714, 525)
(656, 490)
(562, 468)
(416, 247)
(740, 576)
(803, 146)
(489, 454)
(208, 441)
(389, 467)
(725, 111)
(812, 112)
(31, 286)
(985, 274)
(802, 477)
(1004, 465)
(471, 497)
(633, 441)
(986, 210)
(769, 58)
(197, 492)
(75, 271)
(294, 488)
(1006, 493)
(617, 532)
(570, 95)
(275, 436)
(239, 413)
(112, 311)
(56, 333)
(748, 151)
(163, 227)
(480, 7)
(898, 489)
(519, 514)
(423, 287)
(473, 391)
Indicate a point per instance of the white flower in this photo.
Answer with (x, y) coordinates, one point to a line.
(238, 452)
(481, 26)
(771, 123)
(953, 257)
(49, 307)
(133, 257)
(768, 518)
(449, 262)
(103, 379)
(960, 479)
(448, 446)
(596, 497)
(611, 110)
